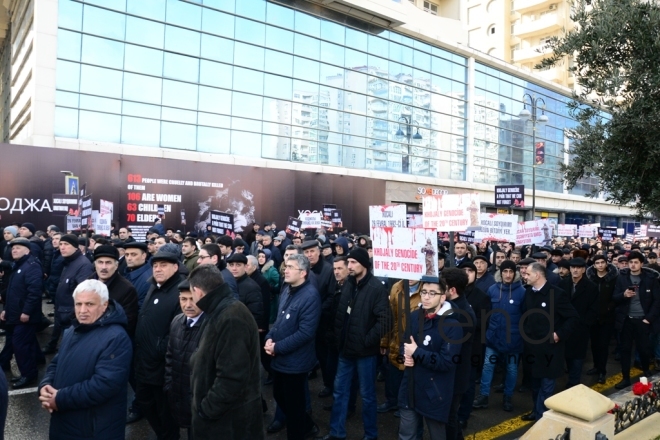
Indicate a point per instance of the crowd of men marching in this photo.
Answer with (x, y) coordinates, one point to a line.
(199, 324)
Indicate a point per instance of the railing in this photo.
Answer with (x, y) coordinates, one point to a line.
(637, 409)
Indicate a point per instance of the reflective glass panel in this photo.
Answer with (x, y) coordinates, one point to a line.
(100, 104)
(181, 136)
(305, 69)
(66, 122)
(179, 94)
(278, 62)
(213, 120)
(307, 24)
(154, 9)
(213, 140)
(245, 144)
(102, 127)
(224, 5)
(278, 86)
(279, 15)
(306, 46)
(246, 105)
(332, 31)
(181, 67)
(68, 45)
(145, 32)
(182, 40)
(104, 23)
(142, 110)
(249, 56)
(139, 131)
(332, 53)
(215, 74)
(247, 80)
(219, 23)
(250, 31)
(214, 100)
(70, 16)
(255, 9)
(184, 14)
(143, 60)
(100, 81)
(279, 39)
(142, 88)
(216, 48)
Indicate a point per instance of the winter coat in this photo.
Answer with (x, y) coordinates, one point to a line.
(37, 248)
(585, 302)
(191, 261)
(54, 273)
(363, 317)
(547, 357)
(139, 277)
(463, 363)
(225, 371)
(294, 329)
(435, 369)
(24, 291)
(124, 293)
(48, 255)
(324, 276)
(153, 330)
(272, 276)
(182, 344)
(275, 254)
(485, 281)
(341, 241)
(391, 340)
(258, 278)
(249, 293)
(552, 277)
(480, 303)
(77, 269)
(606, 284)
(504, 312)
(649, 297)
(90, 372)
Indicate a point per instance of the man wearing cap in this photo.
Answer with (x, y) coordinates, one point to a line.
(249, 292)
(240, 246)
(363, 318)
(324, 279)
(584, 299)
(120, 289)
(77, 268)
(556, 255)
(27, 231)
(550, 275)
(22, 313)
(564, 269)
(622, 262)
(652, 261)
(138, 272)
(522, 267)
(160, 307)
(604, 275)
(484, 279)
(185, 332)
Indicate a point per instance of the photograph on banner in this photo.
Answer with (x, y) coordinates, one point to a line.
(326, 221)
(310, 219)
(222, 223)
(336, 219)
(589, 230)
(566, 230)
(538, 232)
(107, 208)
(510, 195)
(406, 253)
(293, 225)
(391, 216)
(415, 219)
(451, 212)
(497, 227)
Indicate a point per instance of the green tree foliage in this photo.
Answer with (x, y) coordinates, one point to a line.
(616, 50)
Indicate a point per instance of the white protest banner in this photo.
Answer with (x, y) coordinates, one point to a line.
(103, 224)
(566, 230)
(497, 227)
(534, 232)
(107, 207)
(406, 253)
(72, 223)
(310, 220)
(391, 216)
(451, 212)
(620, 232)
(588, 230)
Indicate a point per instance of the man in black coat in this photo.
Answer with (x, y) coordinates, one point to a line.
(21, 313)
(151, 337)
(550, 275)
(604, 275)
(637, 298)
(27, 230)
(584, 298)
(249, 292)
(252, 269)
(185, 332)
(77, 269)
(120, 289)
(56, 267)
(545, 335)
(324, 278)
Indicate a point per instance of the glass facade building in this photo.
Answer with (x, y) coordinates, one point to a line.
(260, 79)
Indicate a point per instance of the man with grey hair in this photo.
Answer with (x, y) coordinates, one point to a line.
(548, 320)
(84, 388)
(291, 343)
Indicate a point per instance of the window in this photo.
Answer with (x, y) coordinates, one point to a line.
(430, 8)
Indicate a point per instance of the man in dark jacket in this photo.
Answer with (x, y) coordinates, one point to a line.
(324, 278)
(363, 318)
(544, 349)
(249, 292)
(151, 336)
(550, 275)
(484, 279)
(185, 332)
(604, 274)
(637, 298)
(226, 383)
(584, 299)
(56, 267)
(276, 255)
(77, 269)
(120, 289)
(252, 269)
(291, 343)
(27, 231)
(138, 272)
(84, 386)
(21, 313)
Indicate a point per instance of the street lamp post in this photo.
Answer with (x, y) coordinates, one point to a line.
(405, 162)
(525, 115)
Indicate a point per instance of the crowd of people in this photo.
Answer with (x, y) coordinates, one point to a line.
(199, 324)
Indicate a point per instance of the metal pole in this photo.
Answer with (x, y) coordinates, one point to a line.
(452, 261)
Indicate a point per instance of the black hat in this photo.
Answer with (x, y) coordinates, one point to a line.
(326, 246)
(539, 256)
(83, 241)
(564, 263)
(430, 279)
(71, 239)
(467, 264)
(184, 285)
(546, 248)
(360, 255)
(526, 261)
(164, 256)
(653, 255)
(310, 244)
(237, 257)
(54, 228)
(20, 241)
(622, 258)
(507, 264)
(106, 250)
(480, 257)
(577, 262)
(557, 253)
(136, 244)
(30, 227)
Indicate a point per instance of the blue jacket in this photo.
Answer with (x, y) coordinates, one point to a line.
(139, 278)
(435, 364)
(90, 373)
(502, 310)
(294, 330)
(24, 291)
(485, 282)
(77, 269)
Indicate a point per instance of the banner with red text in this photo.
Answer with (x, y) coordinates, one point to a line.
(406, 253)
(497, 227)
(537, 232)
